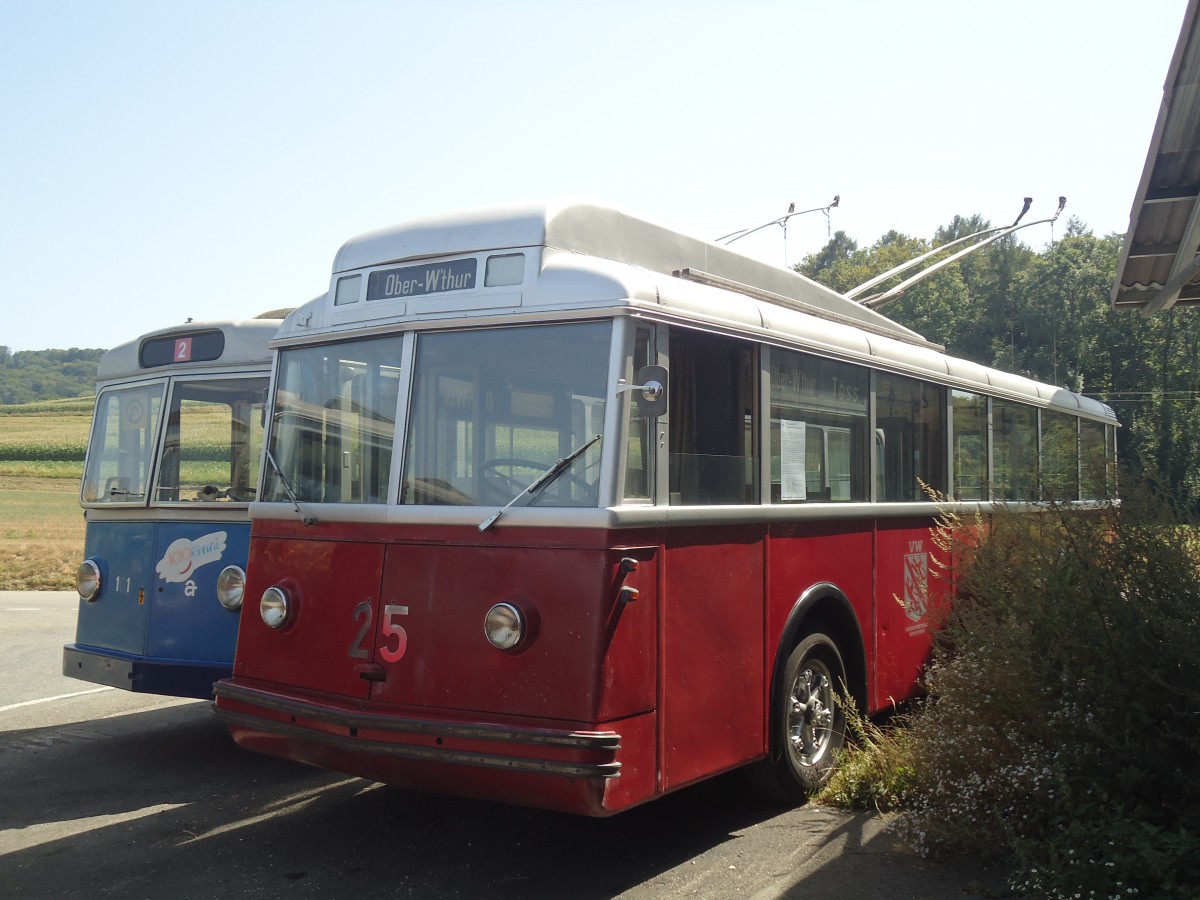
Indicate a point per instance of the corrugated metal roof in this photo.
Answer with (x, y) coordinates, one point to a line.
(1160, 260)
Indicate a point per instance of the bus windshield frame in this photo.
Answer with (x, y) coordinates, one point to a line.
(123, 444)
(483, 412)
(168, 441)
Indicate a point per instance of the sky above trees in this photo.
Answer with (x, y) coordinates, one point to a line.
(167, 161)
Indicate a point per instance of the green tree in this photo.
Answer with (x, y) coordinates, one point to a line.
(28, 376)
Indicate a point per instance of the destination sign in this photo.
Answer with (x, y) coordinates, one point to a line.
(430, 278)
(198, 346)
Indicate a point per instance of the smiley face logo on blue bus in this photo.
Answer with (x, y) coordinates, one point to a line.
(184, 556)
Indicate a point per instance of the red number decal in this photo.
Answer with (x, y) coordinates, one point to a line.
(392, 629)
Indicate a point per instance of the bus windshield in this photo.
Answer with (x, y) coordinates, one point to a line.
(121, 451)
(493, 409)
(490, 410)
(213, 440)
(335, 419)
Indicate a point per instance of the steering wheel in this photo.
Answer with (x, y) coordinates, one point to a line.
(503, 487)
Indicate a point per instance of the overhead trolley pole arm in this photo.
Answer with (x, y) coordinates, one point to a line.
(886, 297)
(782, 220)
(905, 266)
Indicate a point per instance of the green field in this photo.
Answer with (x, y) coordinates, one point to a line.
(41, 524)
(44, 440)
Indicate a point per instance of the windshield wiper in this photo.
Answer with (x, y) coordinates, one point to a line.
(542, 481)
(287, 489)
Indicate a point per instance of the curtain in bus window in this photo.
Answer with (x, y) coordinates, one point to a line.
(910, 438)
(493, 409)
(970, 445)
(1015, 451)
(819, 429)
(334, 421)
(121, 449)
(711, 413)
(1093, 462)
(1060, 456)
(213, 440)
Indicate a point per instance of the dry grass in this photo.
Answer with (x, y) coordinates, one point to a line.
(41, 523)
(41, 533)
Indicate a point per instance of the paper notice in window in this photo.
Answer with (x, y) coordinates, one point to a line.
(792, 484)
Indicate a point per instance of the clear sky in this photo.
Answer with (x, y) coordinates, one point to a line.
(166, 160)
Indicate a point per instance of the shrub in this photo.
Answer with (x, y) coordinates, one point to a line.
(876, 771)
(1062, 729)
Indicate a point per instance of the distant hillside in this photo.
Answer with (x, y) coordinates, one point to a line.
(31, 376)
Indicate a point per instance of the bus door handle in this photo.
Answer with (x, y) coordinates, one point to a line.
(371, 671)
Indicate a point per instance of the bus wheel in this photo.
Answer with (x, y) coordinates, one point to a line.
(807, 721)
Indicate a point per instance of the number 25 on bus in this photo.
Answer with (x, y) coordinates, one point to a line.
(565, 509)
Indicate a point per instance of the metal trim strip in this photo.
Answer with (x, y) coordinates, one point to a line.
(486, 760)
(600, 740)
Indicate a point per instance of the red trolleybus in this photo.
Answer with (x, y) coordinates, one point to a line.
(566, 509)
(172, 464)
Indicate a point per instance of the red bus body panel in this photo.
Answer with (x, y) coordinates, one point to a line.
(908, 606)
(384, 670)
(711, 651)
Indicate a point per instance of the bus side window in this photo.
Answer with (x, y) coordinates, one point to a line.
(1060, 456)
(1092, 460)
(712, 420)
(819, 429)
(970, 445)
(1015, 450)
(911, 418)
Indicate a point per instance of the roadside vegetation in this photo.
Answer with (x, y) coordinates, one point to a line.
(42, 446)
(1061, 733)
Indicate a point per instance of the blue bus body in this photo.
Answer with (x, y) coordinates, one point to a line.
(152, 635)
(171, 467)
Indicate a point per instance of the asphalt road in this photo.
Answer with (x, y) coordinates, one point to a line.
(104, 793)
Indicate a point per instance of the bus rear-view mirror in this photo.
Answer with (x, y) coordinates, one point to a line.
(651, 391)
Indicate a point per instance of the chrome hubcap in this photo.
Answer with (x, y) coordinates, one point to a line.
(810, 715)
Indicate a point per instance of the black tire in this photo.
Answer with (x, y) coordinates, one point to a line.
(808, 724)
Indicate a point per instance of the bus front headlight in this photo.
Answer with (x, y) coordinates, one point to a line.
(504, 626)
(274, 607)
(231, 586)
(87, 580)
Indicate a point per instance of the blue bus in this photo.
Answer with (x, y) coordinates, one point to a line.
(172, 464)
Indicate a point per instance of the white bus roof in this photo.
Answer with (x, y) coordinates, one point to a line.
(585, 257)
(246, 346)
(603, 233)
